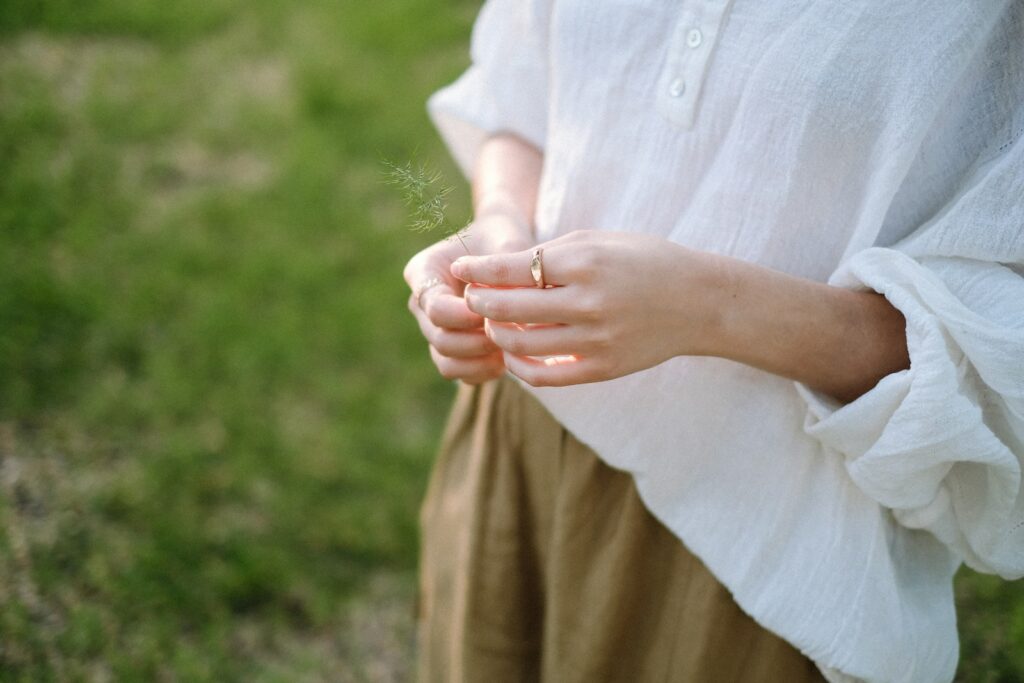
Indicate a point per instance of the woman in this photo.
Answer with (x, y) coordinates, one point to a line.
(761, 264)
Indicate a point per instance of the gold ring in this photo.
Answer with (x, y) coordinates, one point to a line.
(421, 289)
(537, 267)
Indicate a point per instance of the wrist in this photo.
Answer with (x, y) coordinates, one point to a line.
(835, 340)
(713, 318)
(502, 227)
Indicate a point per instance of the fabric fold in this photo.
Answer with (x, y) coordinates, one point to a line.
(507, 49)
(941, 443)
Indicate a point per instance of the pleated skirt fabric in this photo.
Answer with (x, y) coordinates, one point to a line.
(540, 563)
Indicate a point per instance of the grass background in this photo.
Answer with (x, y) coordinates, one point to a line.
(216, 418)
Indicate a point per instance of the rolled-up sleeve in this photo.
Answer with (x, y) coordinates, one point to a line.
(942, 443)
(505, 88)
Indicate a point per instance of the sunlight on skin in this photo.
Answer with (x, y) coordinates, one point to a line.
(559, 360)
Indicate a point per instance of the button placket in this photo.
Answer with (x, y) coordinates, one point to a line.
(690, 48)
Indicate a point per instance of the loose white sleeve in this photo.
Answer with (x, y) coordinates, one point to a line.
(505, 88)
(941, 444)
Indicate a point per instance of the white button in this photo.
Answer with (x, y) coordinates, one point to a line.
(694, 37)
(677, 87)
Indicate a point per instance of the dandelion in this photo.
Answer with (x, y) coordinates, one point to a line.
(426, 194)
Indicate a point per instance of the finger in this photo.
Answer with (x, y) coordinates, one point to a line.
(512, 270)
(434, 261)
(470, 370)
(448, 310)
(527, 305)
(549, 340)
(463, 320)
(458, 344)
(557, 371)
(444, 296)
(454, 343)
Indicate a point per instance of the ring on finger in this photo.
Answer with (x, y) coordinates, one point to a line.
(421, 289)
(537, 267)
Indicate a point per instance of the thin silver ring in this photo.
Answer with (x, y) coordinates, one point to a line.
(422, 288)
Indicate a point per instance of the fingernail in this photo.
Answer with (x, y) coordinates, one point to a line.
(458, 265)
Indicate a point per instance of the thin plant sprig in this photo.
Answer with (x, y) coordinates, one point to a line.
(426, 194)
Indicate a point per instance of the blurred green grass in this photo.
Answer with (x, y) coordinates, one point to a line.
(219, 418)
(216, 419)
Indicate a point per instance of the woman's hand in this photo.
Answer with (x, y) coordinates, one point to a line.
(625, 302)
(458, 345)
(619, 303)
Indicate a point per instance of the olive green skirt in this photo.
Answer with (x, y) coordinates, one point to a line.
(540, 563)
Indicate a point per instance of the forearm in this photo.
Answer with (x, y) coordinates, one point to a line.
(625, 302)
(506, 178)
(835, 340)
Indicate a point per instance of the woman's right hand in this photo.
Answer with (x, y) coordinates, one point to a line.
(458, 345)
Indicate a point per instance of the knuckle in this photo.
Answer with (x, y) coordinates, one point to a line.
(407, 272)
(568, 261)
(575, 266)
(600, 339)
(593, 256)
(590, 307)
(416, 267)
(576, 270)
(581, 264)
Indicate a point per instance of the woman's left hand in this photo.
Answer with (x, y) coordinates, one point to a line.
(617, 303)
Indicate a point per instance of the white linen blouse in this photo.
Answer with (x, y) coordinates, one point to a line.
(872, 144)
